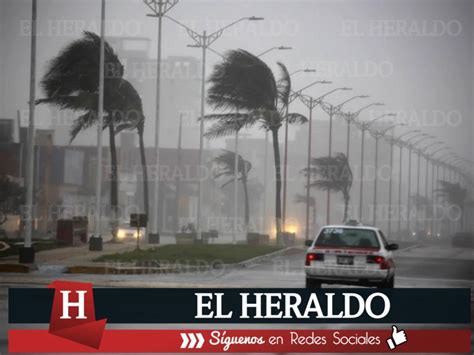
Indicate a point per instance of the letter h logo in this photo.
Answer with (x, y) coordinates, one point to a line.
(73, 313)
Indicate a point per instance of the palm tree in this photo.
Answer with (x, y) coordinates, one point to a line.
(244, 85)
(454, 195)
(72, 82)
(311, 202)
(226, 168)
(132, 117)
(332, 173)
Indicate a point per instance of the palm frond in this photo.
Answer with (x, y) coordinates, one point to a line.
(221, 129)
(284, 85)
(332, 173)
(80, 101)
(296, 118)
(76, 67)
(82, 123)
(242, 81)
(226, 164)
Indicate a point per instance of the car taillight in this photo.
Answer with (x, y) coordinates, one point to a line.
(313, 257)
(377, 259)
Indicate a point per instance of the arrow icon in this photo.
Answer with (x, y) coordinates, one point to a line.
(192, 340)
(200, 341)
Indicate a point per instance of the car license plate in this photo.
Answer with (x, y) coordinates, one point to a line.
(345, 260)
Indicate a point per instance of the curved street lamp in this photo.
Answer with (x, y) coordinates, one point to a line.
(377, 135)
(331, 111)
(292, 97)
(280, 48)
(203, 41)
(407, 133)
(418, 151)
(311, 103)
(304, 70)
(352, 117)
(364, 126)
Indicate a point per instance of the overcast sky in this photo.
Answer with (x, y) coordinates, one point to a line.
(415, 56)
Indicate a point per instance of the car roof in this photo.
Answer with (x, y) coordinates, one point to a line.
(350, 227)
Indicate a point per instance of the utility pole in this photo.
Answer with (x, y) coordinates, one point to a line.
(95, 243)
(27, 252)
(160, 8)
(204, 41)
(178, 176)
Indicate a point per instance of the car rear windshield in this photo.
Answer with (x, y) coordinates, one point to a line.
(347, 238)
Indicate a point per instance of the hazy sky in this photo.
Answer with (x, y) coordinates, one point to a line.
(415, 56)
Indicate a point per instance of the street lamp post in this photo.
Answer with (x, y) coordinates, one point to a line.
(418, 152)
(96, 244)
(424, 152)
(280, 48)
(351, 118)
(27, 252)
(392, 142)
(364, 126)
(159, 8)
(434, 202)
(331, 110)
(377, 135)
(410, 149)
(401, 145)
(293, 96)
(203, 41)
(311, 103)
(305, 70)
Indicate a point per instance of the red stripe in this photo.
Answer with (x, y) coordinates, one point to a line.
(136, 341)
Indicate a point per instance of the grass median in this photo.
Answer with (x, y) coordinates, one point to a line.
(193, 254)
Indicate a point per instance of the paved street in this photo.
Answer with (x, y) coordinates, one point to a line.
(417, 267)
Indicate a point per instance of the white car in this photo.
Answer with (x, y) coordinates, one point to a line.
(127, 233)
(348, 254)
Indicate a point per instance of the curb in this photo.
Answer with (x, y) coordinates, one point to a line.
(266, 257)
(110, 270)
(137, 270)
(19, 268)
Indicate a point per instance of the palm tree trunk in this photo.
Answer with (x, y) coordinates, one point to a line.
(113, 182)
(246, 198)
(144, 172)
(276, 153)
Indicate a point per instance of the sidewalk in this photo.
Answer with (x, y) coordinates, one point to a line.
(79, 260)
(71, 256)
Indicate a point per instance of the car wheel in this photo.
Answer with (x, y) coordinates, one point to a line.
(390, 283)
(312, 283)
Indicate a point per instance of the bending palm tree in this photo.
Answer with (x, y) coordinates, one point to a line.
(455, 195)
(225, 162)
(72, 82)
(132, 117)
(332, 173)
(246, 86)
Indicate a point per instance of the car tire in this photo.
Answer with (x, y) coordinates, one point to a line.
(390, 283)
(312, 283)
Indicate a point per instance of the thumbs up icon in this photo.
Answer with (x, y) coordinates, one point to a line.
(398, 337)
